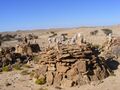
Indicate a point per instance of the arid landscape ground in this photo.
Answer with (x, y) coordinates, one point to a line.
(15, 80)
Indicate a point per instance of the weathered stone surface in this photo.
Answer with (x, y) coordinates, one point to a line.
(58, 78)
(69, 60)
(66, 83)
(65, 55)
(42, 70)
(61, 69)
(88, 52)
(41, 76)
(50, 62)
(51, 68)
(72, 74)
(49, 78)
(81, 65)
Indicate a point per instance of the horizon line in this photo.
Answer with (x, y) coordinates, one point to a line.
(65, 27)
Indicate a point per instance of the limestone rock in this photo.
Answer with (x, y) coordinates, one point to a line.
(65, 55)
(51, 68)
(61, 69)
(42, 70)
(49, 78)
(66, 83)
(57, 79)
(81, 65)
(72, 74)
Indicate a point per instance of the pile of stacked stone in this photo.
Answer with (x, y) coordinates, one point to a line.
(115, 47)
(112, 49)
(9, 58)
(71, 65)
(21, 54)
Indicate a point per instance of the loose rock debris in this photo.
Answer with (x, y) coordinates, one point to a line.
(16, 56)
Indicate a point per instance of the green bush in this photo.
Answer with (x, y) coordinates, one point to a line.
(36, 59)
(32, 74)
(6, 69)
(40, 81)
(17, 67)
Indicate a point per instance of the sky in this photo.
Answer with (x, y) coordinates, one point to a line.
(36, 14)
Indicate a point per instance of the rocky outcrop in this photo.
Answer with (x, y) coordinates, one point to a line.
(20, 54)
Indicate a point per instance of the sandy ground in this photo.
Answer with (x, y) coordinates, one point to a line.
(24, 82)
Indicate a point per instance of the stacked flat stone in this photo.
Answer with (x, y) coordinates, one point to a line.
(72, 65)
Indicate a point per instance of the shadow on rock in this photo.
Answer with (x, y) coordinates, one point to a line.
(113, 64)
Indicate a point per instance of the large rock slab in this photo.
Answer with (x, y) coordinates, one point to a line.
(61, 68)
(72, 74)
(49, 78)
(81, 66)
(57, 79)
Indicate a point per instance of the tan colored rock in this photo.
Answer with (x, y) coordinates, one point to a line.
(72, 74)
(19, 49)
(42, 70)
(62, 69)
(66, 83)
(34, 79)
(57, 79)
(65, 55)
(51, 68)
(41, 76)
(81, 65)
(49, 78)
(69, 60)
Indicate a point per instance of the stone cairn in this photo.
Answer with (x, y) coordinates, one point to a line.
(17, 56)
(111, 48)
(71, 65)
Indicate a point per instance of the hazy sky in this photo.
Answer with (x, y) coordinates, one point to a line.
(29, 14)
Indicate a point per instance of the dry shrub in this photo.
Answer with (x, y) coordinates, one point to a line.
(40, 81)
